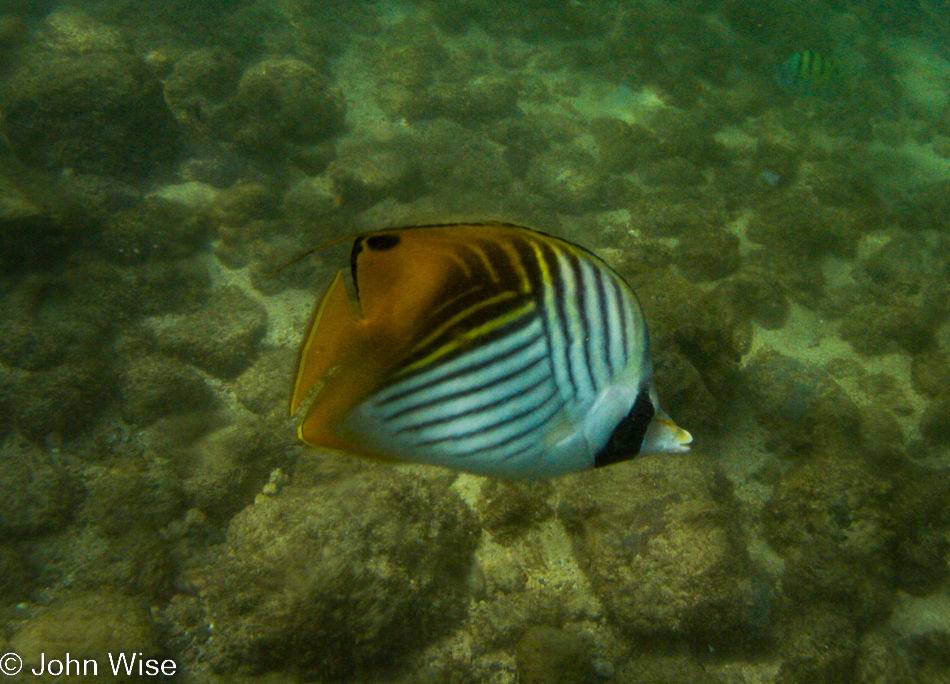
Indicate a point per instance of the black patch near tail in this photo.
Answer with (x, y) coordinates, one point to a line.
(627, 437)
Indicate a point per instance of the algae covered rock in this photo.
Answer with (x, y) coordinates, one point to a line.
(88, 626)
(222, 338)
(16, 575)
(199, 84)
(80, 100)
(819, 645)
(262, 388)
(344, 575)
(655, 539)
(38, 491)
(570, 180)
(801, 404)
(833, 521)
(509, 509)
(874, 329)
(546, 655)
(797, 223)
(120, 500)
(223, 468)
(155, 229)
(283, 100)
(367, 171)
(153, 386)
(708, 254)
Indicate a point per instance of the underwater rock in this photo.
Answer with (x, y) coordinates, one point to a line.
(676, 172)
(161, 287)
(16, 206)
(247, 201)
(368, 171)
(87, 201)
(832, 521)
(528, 22)
(87, 626)
(155, 229)
(280, 101)
(935, 423)
(875, 329)
(921, 207)
(795, 222)
(262, 388)
(930, 372)
(223, 469)
(696, 350)
(569, 180)
(406, 55)
(509, 509)
(216, 165)
(45, 325)
(676, 667)
(502, 618)
(38, 491)
(921, 508)
(16, 576)
(684, 389)
(345, 575)
(798, 277)
(547, 655)
(654, 538)
(199, 84)
(881, 660)
(81, 100)
(139, 559)
(221, 338)
(12, 30)
(922, 626)
(904, 265)
(623, 146)
(72, 30)
(484, 98)
(456, 162)
(64, 401)
(31, 234)
(311, 198)
(819, 645)
(803, 407)
(153, 386)
(120, 500)
(710, 254)
(56, 341)
(754, 295)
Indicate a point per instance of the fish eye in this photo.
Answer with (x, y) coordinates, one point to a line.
(382, 243)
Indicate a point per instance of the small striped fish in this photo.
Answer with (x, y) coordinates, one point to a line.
(806, 73)
(486, 348)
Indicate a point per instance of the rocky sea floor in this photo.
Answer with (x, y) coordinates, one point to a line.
(158, 164)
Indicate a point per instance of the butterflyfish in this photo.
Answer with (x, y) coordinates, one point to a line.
(487, 348)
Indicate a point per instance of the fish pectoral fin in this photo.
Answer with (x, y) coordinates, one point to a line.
(335, 332)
